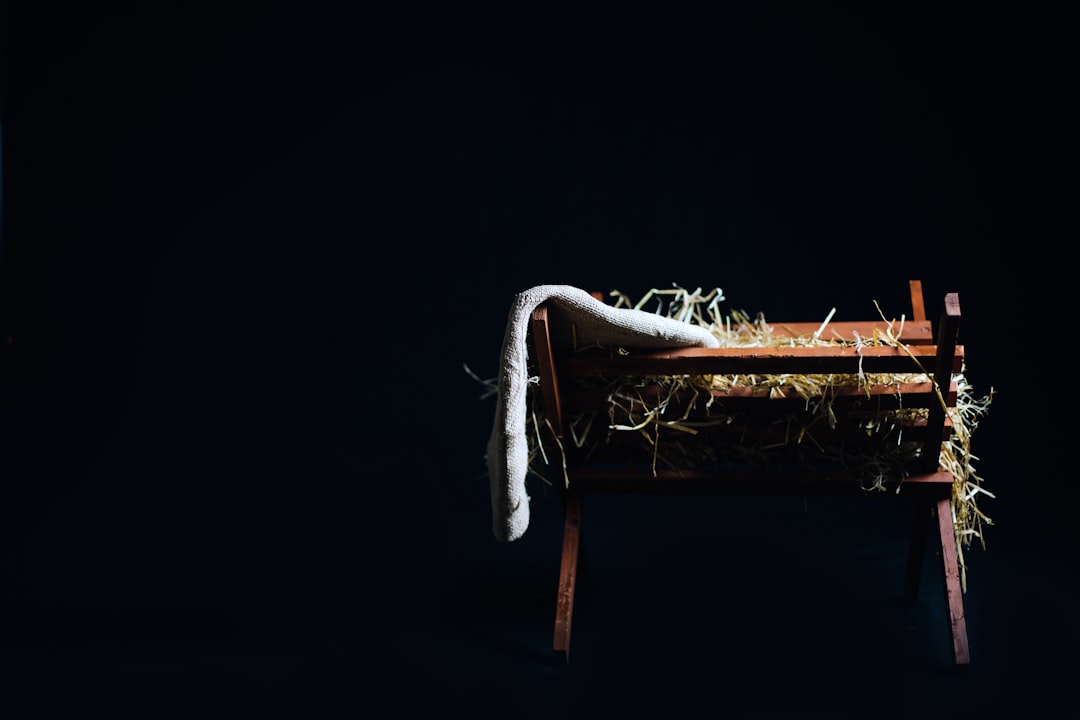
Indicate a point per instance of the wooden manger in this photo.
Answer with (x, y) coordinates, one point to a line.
(698, 419)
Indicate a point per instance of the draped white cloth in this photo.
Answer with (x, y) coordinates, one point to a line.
(594, 323)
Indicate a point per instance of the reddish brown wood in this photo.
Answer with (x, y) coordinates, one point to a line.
(953, 590)
(945, 366)
(757, 360)
(880, 392)
(909, 332)
(564, 605)
(545, 359)
(918, 310)
(748, 481)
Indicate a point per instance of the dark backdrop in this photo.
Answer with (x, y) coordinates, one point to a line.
(246, 255)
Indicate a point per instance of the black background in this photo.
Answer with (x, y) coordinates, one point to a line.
(246, 255)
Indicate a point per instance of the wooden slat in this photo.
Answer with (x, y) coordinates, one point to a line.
(948, 331)
(564, 604)
(953, 589)
(549, 380)
(615, 480)
(918, 309)
(872, 393)
(908, 332)
(756, 360)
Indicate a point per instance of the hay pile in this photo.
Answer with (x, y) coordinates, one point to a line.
(656, 425)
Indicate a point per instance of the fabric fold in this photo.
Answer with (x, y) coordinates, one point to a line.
(594, 323)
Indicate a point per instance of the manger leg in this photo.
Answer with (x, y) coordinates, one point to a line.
(953, 591)
(564, 609)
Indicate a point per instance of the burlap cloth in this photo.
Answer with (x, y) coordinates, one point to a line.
(575, 317)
